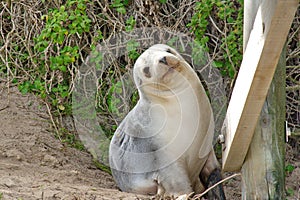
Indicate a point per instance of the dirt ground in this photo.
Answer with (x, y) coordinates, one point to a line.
(36, 165)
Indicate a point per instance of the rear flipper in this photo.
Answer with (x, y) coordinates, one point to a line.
(210, 175)
(217, 192)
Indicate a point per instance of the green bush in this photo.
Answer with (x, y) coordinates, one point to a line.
(230, 14)
(55, 55)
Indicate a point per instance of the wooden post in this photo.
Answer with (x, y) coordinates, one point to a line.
(263, 169)
(265, 42)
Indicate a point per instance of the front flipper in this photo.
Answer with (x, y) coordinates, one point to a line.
(210, 175)
(217, 192)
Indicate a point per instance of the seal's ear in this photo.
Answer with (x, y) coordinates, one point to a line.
(170, 51)
(140, 82)
(137, 80)
(174, 52)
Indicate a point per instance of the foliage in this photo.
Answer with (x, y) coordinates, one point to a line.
(64, 31)
(231, 36)
(101, 166)
(69, 139)
(55, 56)
(289, 168)
(120, 5)
(199, 21)
(132, 49)
(130, 23)
(290, 192)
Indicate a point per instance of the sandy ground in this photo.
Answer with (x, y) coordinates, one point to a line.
(36, 165)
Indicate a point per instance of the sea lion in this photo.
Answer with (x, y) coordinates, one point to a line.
(164, 144)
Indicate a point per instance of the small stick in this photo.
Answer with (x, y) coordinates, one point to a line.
(50, 114)
(208, 189)
(1, 109)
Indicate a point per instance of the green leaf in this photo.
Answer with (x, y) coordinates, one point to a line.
(59, 60)
(121, 10)
(130, 23)
(290, 192)
(62, 68)
(62, 8)
(218, 64)
(117, 5)
(60, 38)
(231, 72)
(72, 17)
(230, 20)
(132, 45)
(289, 168)
(64, 94)
(25, 87)
(81, 6)
(54, 89)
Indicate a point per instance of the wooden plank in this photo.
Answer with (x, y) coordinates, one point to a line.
(250, 10)
(267, 38)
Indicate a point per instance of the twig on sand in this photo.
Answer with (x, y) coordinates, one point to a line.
(198, 196)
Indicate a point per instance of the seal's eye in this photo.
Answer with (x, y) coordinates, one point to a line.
(146, 71)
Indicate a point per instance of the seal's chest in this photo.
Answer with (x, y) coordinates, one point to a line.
(174, 124)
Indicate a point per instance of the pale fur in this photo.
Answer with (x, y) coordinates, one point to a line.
(163, 144)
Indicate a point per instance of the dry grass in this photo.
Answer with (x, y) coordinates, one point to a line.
(293, 76)
(21, 22)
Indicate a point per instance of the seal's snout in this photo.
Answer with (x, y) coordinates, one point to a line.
(163, 60)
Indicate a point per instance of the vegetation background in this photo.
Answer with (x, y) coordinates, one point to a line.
(43, 43)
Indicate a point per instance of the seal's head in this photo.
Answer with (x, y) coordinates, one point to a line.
(160, 68)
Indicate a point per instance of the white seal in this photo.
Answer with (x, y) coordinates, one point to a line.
(164, 145)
